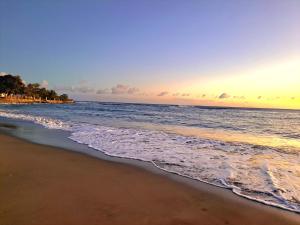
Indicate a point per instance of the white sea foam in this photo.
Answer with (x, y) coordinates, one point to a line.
(243, 168)
(261, 173)
(44, 121)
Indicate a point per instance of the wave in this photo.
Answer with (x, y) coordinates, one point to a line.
(44, 121)
(259, 173)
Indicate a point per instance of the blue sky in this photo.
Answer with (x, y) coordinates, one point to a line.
(149, 45)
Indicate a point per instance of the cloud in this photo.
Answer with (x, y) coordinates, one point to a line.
(239, 97)
(181, 94)
(3, 74)
(103, 91)
(44, 84)
(163, 93)
(84, 89)
(143, 94)
(119, 89)
(83, 82)
(185, 94)
(133, 90)
(224, 95)
(124, 89)
(81, 87)
(64, 88)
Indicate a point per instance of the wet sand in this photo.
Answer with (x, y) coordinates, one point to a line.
(41, 185)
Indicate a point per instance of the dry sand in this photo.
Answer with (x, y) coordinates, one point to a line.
(49, 186)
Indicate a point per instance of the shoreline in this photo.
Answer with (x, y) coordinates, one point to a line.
(34, 102)
(237, 207)
(39, 131)
(14, 101)
(61, 139)
(187, 180)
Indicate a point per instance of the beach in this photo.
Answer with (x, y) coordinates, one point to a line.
(149, 112)
(47, 185)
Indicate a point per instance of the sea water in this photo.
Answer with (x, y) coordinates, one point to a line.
(253, 152)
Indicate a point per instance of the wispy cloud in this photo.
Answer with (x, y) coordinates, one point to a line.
(63, 88)
(119, 89)
(144, 94)
(133, 90)
(163, 93)
(181, 94)
(239, 97)
(185, 94)
(84, 89)
(3, 74)
(81, 87)
(124, 89)
(44, 84)
(103, 91)
(224, 95)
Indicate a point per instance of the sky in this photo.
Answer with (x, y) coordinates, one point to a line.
(213, 52)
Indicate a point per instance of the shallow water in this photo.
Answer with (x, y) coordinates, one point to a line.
(254, 152)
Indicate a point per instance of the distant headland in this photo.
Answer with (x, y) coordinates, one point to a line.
(13, 90)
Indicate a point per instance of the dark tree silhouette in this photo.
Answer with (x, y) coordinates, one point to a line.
(32, 90)
(64, 97)
(10, 84)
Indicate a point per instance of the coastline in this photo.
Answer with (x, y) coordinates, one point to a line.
(32, 101)
(149, 198)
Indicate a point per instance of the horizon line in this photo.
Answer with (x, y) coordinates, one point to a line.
(191, 105)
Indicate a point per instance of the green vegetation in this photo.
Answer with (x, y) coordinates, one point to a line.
(14, 85)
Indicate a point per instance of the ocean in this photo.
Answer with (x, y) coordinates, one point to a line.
(253, 152)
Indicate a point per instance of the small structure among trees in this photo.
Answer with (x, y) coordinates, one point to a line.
(14, 87)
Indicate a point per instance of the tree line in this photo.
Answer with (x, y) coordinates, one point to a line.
(14, 85)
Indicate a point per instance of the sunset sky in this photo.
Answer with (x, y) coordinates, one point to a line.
(225, 53)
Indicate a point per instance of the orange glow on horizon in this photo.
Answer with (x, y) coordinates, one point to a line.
(275, 85)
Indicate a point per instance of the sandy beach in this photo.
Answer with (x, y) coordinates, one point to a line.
(43, 185)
